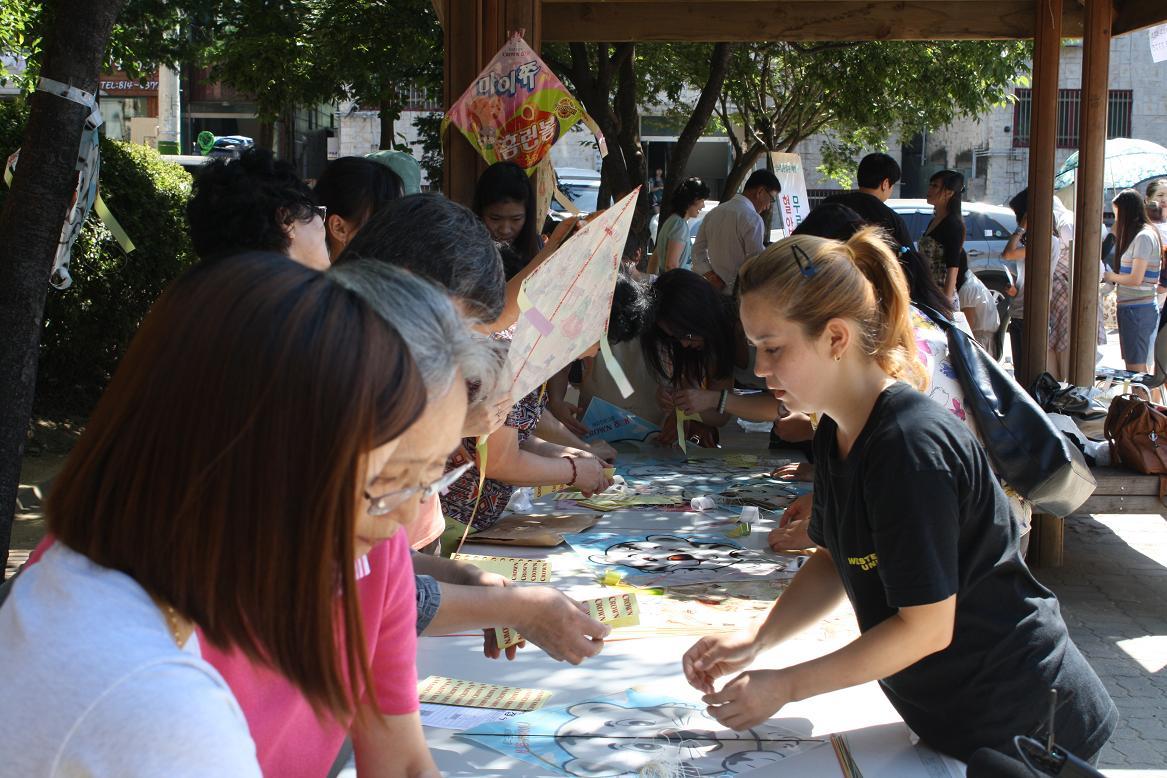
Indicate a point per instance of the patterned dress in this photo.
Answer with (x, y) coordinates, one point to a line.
(458, 502)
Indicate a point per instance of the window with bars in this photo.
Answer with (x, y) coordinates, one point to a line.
(1118, 116)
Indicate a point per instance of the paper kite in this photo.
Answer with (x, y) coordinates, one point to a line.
(517, 108)
(566, 300)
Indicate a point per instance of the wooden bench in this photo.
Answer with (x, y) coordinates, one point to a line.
(1119, 491)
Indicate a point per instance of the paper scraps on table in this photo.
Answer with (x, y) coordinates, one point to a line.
(474, 694)
(637, 733)
(460, 717)
(609, 422)
(663, 559)
(541, 530)
(617, 611)
(604, 502)
(515, 568)
(741, 460)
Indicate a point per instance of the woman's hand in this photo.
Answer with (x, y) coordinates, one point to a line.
(802, 471)
(665, 398)
(486, 417)
(602, 450)
(696, 400)
(716, 655)
(490, 647)
(589, 476)
(569, 415)
(791, 534)
(750, 699)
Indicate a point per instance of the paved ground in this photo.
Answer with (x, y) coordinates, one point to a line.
(1113, 591)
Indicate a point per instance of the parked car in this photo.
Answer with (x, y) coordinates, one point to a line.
(581, 186)
(987, 230)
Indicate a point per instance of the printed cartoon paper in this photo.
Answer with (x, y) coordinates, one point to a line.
(515, 568)
(472, 694)
(566, 301)
(517, 108)
(637, 734)
(612, 423)
(663, 559)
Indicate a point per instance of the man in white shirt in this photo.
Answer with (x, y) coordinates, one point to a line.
(732, 232)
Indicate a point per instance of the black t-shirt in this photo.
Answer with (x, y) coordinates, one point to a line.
(914, 515)
(875, 211)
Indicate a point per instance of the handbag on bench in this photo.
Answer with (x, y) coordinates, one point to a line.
(1137, 433)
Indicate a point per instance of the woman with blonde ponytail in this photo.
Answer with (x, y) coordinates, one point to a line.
(911, 525)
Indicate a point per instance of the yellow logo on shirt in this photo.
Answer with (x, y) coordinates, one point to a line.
(864, 563)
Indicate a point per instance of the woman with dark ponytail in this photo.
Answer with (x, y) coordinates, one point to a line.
(912, 527)
(942, 244)
(673, 247)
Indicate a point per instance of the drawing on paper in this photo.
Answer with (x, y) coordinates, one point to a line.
(636, 733)
(661, 559)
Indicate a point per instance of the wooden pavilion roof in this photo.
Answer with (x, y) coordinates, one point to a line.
(817, 20)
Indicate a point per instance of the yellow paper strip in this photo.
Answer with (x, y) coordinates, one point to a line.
(515, 568)
(119, 233)
(614, 368)
(507, 637)
(480, 450)
(683, 417)
(451, 691)
(617, 610)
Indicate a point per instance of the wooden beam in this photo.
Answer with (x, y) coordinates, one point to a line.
(1091, 154)
(1131, 15)
(1040, 216)
(462, 36)
(801, 20)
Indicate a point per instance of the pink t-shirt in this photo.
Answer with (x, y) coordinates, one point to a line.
(289, 739)
(429, 524)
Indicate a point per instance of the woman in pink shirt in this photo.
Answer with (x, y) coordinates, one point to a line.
(290, 738)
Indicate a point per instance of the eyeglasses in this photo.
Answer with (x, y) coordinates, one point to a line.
(379, 506)
(321, 211)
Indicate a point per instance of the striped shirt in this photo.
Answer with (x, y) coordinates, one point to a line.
(1145, 246)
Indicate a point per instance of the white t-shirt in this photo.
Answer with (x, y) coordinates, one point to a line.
(729, 235)
(94, 685)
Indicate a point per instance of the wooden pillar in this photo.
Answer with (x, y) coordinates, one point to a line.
(1042, 138)
(473, 32)
(1088, 217)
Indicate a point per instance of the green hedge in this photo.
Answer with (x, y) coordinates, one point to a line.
(88, 326)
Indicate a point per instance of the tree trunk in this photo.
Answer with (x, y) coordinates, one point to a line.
(31, 221)
(389, 113)
(698, 121)
(267, 136)
(635, 167)
(741, 170)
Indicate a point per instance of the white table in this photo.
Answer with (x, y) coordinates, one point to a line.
(878, 738)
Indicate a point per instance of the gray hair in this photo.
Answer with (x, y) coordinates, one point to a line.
(441, 241)
(439, 339)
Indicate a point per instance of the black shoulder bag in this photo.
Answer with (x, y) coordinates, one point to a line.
(1025, 448)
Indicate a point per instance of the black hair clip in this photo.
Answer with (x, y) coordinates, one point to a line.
(805, 266)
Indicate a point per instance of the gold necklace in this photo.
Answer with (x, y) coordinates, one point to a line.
(172, 622)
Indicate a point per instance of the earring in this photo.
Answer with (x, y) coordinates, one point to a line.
(838, 357)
